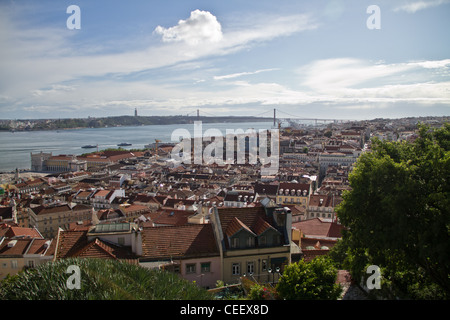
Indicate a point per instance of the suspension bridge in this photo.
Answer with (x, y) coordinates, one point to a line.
(277, 119)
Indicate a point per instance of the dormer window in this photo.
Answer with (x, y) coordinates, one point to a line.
(235, 243)
(262, 241)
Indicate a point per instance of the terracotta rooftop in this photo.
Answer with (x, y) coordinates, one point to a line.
(320, 228)
(42, 246)
(101, 193)
(320, 200)
(236, 225)
(14, 247)
(76, 244)
(9, 231)
(170, 217)
(84, 194)
(41, 210)
(179, 241)
(248, 216)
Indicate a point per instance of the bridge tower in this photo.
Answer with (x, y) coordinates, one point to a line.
(274, 117)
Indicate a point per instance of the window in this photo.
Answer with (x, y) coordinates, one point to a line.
(250, 242)
(250, 267)
(236, 269)
(14, 264)
(190, 268)
(235, 243)
(31, 263)
(205, 267)
(264, 265)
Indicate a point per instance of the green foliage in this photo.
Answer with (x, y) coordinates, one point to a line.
(100, 280)
(397, 215)
(314, 280)
(259, 292)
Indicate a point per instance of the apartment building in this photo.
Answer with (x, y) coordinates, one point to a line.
(49, 218)
(253, 241)
(322, 206)
(294, 193)
(19, 253)
(102, 199)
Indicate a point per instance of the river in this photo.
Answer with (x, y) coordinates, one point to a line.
(15, 147)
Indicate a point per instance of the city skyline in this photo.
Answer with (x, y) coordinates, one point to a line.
(312, 59)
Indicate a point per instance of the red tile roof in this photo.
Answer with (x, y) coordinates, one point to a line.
(76, 244)
(318, 227)
(9, 231)
(262, 226)
(70, 242)
(19, 248)
(171, 217)
(41, 210)
(253, 219)
(179, 241)
(95, 249)
(247, 215)
(236, 225)
(42, 246)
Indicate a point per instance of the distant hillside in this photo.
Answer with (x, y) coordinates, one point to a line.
(72, 123)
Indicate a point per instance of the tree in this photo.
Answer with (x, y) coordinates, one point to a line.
(314, 280)
(397, 215)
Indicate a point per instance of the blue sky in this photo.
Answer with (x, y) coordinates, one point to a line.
(305, 58)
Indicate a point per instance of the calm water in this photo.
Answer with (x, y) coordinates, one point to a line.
(15, 147)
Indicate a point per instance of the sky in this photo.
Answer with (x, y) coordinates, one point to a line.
(312, 59)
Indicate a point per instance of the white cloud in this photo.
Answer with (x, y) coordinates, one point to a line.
(337, 74)
(56, 88)
(240, 74)
(413, 7)
(432, 64)
(33, 61)
(199, 28)
(349, 80)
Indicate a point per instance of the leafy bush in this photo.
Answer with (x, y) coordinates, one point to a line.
(314, 280)
(100, 280)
